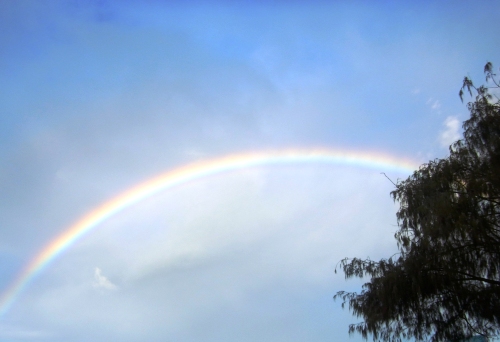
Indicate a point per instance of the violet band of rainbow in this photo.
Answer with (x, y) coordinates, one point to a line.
(183, 175)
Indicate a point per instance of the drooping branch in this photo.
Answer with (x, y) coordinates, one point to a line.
(444, 284)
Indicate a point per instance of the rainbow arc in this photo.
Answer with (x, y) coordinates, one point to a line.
(183, 175)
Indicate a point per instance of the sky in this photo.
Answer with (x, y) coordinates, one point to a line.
(98, 97)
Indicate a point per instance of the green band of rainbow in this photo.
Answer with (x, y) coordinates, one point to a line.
(183, 175)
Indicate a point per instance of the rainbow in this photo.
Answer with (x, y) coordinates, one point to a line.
(183, 175)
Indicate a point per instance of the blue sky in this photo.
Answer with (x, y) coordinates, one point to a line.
(97, 96)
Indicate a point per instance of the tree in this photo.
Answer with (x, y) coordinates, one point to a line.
(444, 284)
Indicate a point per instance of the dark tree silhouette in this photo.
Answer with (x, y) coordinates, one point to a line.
(444, 284)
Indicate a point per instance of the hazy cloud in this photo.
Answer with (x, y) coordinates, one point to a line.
(451, 133)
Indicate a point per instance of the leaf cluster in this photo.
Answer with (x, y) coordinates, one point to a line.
(444, 284)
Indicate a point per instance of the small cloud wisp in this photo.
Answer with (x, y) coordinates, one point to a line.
(101, 281)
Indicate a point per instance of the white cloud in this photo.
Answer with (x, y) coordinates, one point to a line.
(451, 133)
(101, 281)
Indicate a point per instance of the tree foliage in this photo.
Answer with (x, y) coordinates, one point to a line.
(444, 284)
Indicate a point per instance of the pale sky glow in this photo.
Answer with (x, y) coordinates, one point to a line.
(100, 96)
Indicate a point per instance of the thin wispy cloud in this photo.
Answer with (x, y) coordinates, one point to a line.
(17, 333)
(434, 104)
